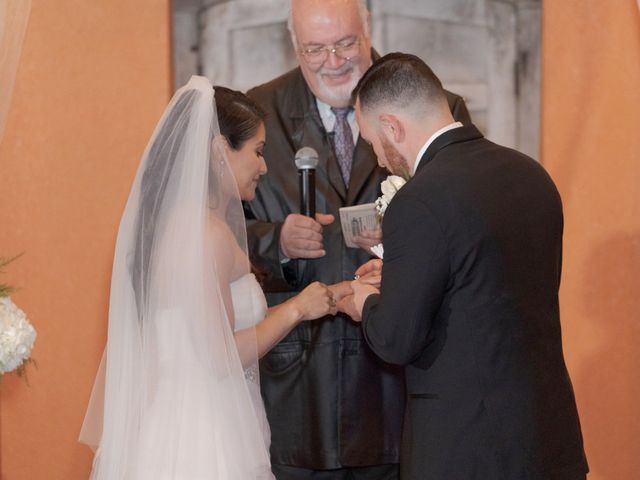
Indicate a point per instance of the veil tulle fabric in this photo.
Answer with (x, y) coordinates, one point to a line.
(14, 16)
(172, 399)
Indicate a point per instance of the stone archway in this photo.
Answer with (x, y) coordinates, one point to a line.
(486, 50)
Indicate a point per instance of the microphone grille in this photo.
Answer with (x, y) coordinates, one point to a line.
(306, 158)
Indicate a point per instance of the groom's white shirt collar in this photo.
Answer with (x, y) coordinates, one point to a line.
(451, 126)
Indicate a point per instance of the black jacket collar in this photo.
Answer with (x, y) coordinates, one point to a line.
(456, 135)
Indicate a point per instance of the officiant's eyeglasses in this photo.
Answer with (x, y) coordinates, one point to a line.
(318, 54)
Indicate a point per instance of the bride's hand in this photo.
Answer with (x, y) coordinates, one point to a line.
(315, 301)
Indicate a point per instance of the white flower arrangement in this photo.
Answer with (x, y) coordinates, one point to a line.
(389, 188)
(17, 337)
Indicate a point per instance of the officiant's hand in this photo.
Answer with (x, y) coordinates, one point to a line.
(370, 272)
(368, 239)
(301, 236)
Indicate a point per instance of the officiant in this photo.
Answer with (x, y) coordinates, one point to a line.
(334, 408)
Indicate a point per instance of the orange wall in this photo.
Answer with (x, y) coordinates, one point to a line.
(93, 80)
(591, 146)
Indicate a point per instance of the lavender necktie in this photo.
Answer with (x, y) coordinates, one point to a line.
(343, 142)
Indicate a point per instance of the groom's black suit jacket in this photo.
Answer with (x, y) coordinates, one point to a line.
(469, 302)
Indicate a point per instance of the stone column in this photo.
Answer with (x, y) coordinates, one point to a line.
(245, 42)
(528, 41)
(488, 51)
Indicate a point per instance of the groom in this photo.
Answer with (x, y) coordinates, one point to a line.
(469, 293)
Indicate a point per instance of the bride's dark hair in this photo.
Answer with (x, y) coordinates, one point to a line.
(238, 115)
(239, 118)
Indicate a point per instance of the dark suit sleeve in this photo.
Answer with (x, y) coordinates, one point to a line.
(415, 275)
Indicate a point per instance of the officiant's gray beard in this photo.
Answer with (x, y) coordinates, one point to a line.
(396, 163)
(342, 93)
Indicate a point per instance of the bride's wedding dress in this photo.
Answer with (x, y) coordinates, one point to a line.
(171, 400)
(248, 312)
(185, 404)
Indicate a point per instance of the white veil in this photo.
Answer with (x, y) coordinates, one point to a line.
(14, 15)
(171, 400)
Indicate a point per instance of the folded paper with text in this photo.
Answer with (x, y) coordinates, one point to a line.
(358, 219)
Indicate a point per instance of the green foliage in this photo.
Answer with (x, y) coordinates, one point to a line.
(21, 371)
(6, 290)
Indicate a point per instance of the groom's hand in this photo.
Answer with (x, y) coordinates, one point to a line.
(340, 290)
(352, 304)
(347, 305)
(370, 272)
(301, 236)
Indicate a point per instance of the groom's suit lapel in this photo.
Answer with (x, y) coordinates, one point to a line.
(457, 135)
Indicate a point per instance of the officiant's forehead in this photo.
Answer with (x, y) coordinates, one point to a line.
(326, 21)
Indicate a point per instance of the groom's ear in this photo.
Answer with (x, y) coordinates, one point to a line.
(393, 126)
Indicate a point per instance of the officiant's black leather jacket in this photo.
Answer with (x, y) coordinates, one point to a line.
(330, 401)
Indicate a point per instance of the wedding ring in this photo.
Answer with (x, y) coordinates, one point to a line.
(356, 277)
(332, 302)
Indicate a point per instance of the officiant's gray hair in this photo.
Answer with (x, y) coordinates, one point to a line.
(401, 80)
(363, 10)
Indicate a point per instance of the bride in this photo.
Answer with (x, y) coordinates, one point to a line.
(177, 394)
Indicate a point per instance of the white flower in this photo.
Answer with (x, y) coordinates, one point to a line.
(389, 188)
(16, 336)
(391, 185)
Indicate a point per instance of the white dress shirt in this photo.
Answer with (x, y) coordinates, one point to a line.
(451, 126)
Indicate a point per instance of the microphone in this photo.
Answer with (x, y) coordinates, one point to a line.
(307, 161)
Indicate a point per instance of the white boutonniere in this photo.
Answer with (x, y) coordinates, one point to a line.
(389, 188)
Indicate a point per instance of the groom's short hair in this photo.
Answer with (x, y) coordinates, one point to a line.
(401, 80)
